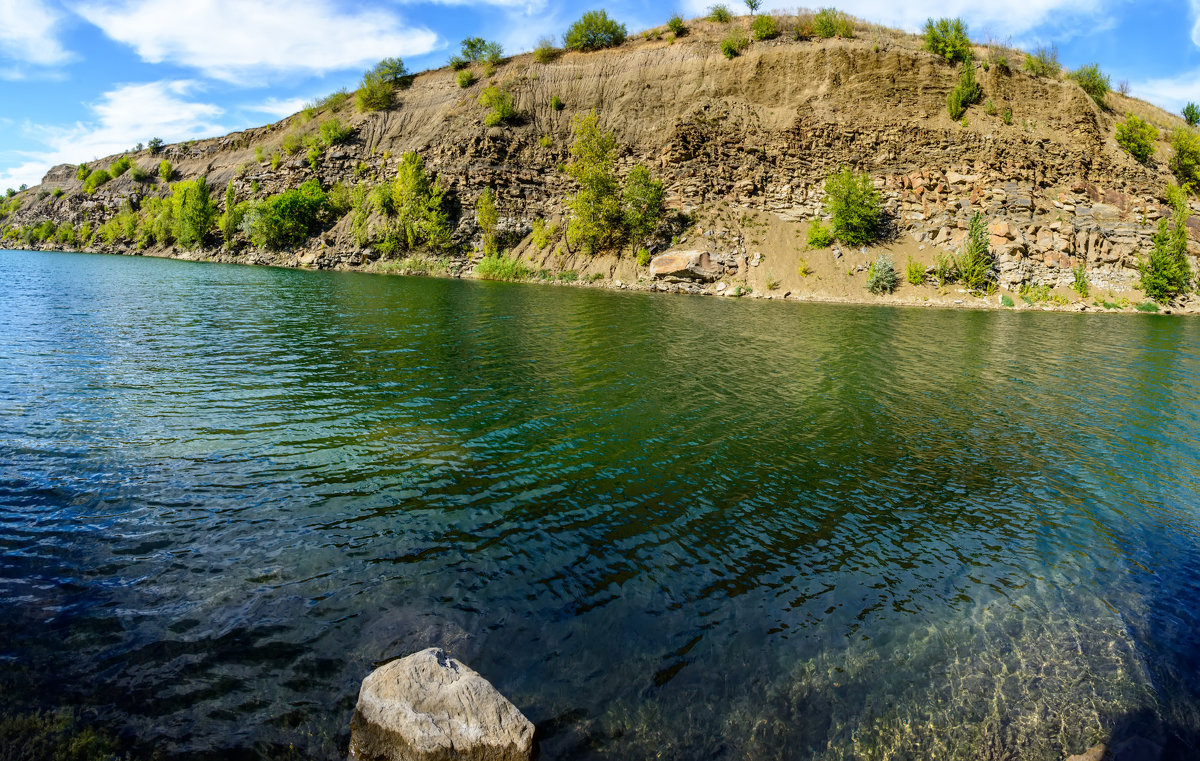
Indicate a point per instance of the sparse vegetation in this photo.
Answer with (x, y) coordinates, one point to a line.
(881, 275)
(945, 271)
(501, 104)
(820, 235)
(764, 28)
(676, 25)
(502, 268)
(120, 166)
(1185, 159)
(914, 272)
(830, 22)
(487, 217)
(333, 132)
(1147, 306)
(1166, 272)
(81, 174)
(948, 39)
(966, 93)
(374, 92)
(853, 203)
(1137, 137)
(557, 103)
(734, 43)
(95, 179)
(1043, 62)
(594, 31)
(165, 170)
(545, 52)
(542, 234)
(465, 78)
(720, 14)
(479, 50)
(1093, 81)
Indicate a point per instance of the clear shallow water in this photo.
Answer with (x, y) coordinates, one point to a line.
(665, 527)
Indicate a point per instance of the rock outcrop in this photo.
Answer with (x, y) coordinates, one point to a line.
(686, 265)
(430, 707)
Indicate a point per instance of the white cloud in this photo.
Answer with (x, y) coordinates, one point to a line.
(125, 116)
(234, 40)
(1169, 93)
(278, 107)
(29, 35)
(1196, 24)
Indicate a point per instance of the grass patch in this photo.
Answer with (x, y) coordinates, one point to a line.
(502, 268)
(1147, 306)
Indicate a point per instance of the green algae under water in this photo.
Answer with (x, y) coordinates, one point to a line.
(664, 526)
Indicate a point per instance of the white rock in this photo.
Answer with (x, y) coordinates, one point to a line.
(430, 706)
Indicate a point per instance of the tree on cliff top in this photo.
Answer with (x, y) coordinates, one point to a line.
(595, 30)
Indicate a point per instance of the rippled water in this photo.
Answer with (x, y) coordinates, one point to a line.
(664, 526)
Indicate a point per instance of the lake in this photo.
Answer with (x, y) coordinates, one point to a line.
(664, 526)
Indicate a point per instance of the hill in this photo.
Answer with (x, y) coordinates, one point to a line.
(743, 145)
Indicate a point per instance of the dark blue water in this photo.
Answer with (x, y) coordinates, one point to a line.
(664, 526)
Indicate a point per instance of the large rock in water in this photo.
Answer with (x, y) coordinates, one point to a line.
(685, 265)
(430, 707)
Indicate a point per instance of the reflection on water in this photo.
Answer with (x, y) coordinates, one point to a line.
(664, 526)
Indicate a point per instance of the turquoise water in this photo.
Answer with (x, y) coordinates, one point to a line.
(664, 526)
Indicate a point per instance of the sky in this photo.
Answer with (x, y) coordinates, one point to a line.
(83, 79)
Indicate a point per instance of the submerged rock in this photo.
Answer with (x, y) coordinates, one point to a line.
(430, 707)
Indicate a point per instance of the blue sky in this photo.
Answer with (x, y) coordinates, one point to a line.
(81, 79)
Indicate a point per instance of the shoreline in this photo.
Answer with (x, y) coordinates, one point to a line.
(950, 299)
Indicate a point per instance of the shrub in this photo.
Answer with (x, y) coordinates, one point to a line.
(417, 200)
(374, 93)
(502, 268)
(1005, 300)
(720, 14)
(478, 49)
(194, 211)
(974, 267)
(642, 204)
(81, 173)
(333, 132)
(1147, 306)
(989, 108)
(390, 70)
(945, 271)
(947, 38)
(966, 93)
(1043, 62)
(276, 159)
(763, 28)
(881, 275)
(314, 155)
(542, 234)
(595, 210)
(165, 170)
(1007, 116)
(676, 25)
(119, 167)
(734, 43)
(546, 141)
(1185, 161)
(1191, 114)
(95, 180)
(487, 217)
(854, 205)
(1093, 81)
(830, 22)
(292, 143)
(287, 219)
(1166, 272)
(1080, 284)
(458, 63)
(595, 30)
(465, 78)
(556, 103)
(914, 272)
(334, 102)
(643, 258)
(57, 192)
(155, 145)
(500, 103)
(820, 235)
(545, 52)
(140, 175)
(1137, 137)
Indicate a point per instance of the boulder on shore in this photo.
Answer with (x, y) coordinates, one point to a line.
(685, 265)
(430, 707)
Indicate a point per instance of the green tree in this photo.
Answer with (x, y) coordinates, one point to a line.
(1137, 137)
(1185, 159)
(1191, 114)
(155, 144)
(82, 172)
(753, 5)
(593, 31)
(854, 204)
(1166, 272)
(195, 211)
(948, 39)
(286, 220)
(642, 202)
(595, 210)
(391, 70)
(487, 217)
(1093, 81)
(975, 265)
(165, 170)
(419, 204)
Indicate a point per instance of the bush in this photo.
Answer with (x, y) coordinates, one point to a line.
(1185, 161)
(881, 275)
(974, 267)
(333, 132)
(545, 52)
(820, 235)
(1043, 62)
(287, 219)
(594, 31)
(1093, 81)
(95, 180)
(966, 93)
(947, 38)
(642, 202)
(1137, 137)
(155, 145)
(418, 202)
(1147, 306)
(676, 25)
(502, 268)
(720, 14)
(500, 103)
(734, 44)
(81, 173)
(1191, 114)
(542, 234)
(390, 70)
(914, 272)
(334, 102)
(830, 22)
(557, 103)
(292, 143)
(465, 78)
(458, 63)
(595, 210)
(763, 28)
(140, 175)
(478, 49)
(643, 258)
(1166, 273)
(119, 167)
(194, 211)
(374, 93)
(165, 170)
(854, 205)
(487, 217)
(1080, 285)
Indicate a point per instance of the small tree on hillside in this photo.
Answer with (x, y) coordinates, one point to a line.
(1191, 114)
(595, 30)
(391, 70)
(487, 217)
(1166, 273)
(753, 5)
(854, 204)
(596, 207)
(195, 211)
(948, 38)
(643, 204)
(1185, 161)
(975, 265)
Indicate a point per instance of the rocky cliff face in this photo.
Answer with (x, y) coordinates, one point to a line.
(759, 132)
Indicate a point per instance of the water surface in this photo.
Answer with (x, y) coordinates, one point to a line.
(665, 527)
